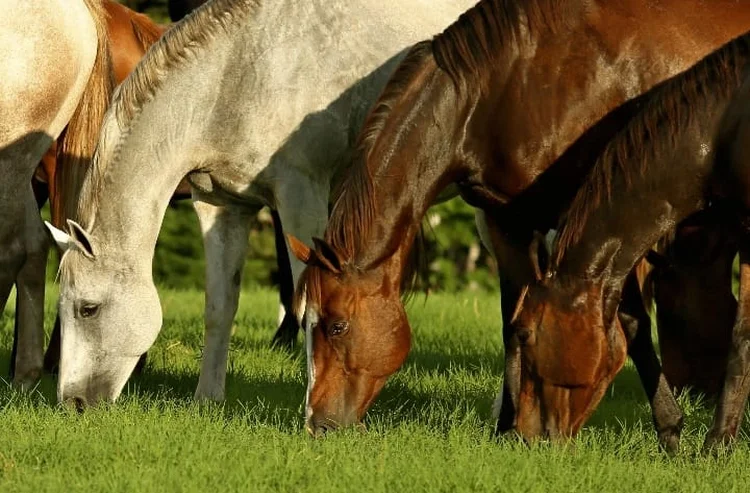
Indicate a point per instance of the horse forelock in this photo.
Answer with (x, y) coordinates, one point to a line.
(672, 108)
(469, 48)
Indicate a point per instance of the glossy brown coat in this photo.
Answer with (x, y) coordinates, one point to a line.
(682, 154)
(505, 104)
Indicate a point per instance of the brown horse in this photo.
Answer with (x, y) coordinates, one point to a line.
(489, 105)
(683, 153)
(130, 35)
(691, 284)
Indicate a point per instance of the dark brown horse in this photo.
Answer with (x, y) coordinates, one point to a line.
(489, 105)
(691, 283)
(683, 153)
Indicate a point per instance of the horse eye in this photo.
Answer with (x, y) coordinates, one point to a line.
(338, 328)
(88, 310)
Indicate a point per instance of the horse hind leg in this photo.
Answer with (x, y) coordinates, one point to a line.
(30, 285)
(733, 397)
(303, 212)
(225, 237)
(286, 334)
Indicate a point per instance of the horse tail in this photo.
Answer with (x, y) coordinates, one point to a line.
(146, 31)
(77, 142)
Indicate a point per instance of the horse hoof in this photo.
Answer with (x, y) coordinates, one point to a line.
(717, 444)
(28, 379)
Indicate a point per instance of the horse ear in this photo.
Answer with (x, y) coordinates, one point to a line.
(62, 239)
(539, 254)
(328, 256)
(67, 242)
(299, 249)
(82, 238)
(657, 259)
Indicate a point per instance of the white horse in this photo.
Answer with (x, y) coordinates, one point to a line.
(260, 102)
(50, 75)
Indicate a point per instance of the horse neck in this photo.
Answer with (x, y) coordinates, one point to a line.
(126, 198)
(636, 211)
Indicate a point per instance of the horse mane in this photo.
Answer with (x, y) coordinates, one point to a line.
(77, 142)
(670, 110)
(353, 209)
(350, 222)
(178, 45)
(469, 48)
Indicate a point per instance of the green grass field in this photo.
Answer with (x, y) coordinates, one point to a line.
(431, 429)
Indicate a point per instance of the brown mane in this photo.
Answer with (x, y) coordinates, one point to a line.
(655, 131)
(353, 210)
(470, 48)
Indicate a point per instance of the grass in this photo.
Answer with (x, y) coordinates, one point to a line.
(430, 430)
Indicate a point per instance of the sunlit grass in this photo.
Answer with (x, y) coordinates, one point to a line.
(431, 429)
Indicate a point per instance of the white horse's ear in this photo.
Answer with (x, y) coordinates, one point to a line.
(63, 240)
(78, 240)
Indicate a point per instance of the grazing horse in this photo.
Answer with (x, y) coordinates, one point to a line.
(50, 76)
(130, 35)
(496, 104)
(683, 153)
(258, 109)
(691, 284)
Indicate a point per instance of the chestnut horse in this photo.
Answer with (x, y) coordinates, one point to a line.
(489, 105)
(130, 35)
(683, 153)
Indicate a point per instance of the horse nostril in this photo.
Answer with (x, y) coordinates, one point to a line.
(320, 427)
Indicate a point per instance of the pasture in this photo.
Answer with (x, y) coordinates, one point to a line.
(430, 430)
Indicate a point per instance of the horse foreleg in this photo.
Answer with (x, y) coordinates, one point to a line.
(30, 286)
(734, 394)
(286, 334)
(636, 323)
(514, 267)
(225, 238)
